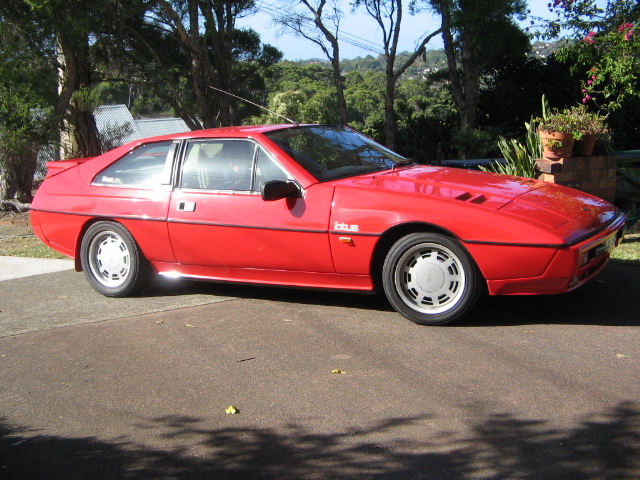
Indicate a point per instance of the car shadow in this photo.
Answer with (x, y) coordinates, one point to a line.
(610, 299)
(367, 301)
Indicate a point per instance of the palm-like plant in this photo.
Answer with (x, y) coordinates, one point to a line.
(519, 158)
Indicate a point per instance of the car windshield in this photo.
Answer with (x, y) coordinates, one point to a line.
(329, 153)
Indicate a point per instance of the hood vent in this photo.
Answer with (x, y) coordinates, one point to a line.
(468, 197)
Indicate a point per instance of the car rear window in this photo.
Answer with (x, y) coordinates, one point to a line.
(142, 167)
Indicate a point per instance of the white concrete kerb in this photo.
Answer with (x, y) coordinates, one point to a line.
(19, 267)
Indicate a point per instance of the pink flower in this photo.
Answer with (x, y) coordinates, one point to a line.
(589, 38)
(628, 27)
(586, 98)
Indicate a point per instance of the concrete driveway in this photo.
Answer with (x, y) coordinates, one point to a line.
(526, 388)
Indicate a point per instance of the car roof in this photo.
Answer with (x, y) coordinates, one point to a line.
(239, 131)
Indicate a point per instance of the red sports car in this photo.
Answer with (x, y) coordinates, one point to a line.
(320, 207)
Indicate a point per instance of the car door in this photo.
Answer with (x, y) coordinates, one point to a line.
(218, 218)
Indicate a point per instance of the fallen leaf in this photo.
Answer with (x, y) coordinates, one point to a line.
(189, 325)
(337, 371)
(231, 410)
(621, 355)
(159, 322)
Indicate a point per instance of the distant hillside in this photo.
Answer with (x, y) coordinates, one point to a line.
(431, 62)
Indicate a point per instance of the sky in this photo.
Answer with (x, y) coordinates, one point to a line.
(356, 28)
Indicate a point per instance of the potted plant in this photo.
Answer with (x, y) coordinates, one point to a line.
(588, 126)
(556, 129)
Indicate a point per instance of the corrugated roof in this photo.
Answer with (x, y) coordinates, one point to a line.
(161, 126)
(117, 126)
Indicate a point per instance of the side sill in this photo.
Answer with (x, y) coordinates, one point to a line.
(311, 280)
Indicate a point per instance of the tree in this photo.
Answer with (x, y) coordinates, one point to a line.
(475, 34)
(26, 97)
(388, 15)
(23, 129)
(202, 36)
(328, 24)
(302, 94)
(70, 25)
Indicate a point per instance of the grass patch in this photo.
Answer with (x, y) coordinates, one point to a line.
(26, 246)
(628, 253)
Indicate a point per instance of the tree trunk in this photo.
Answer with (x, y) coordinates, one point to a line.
(390, 128)
(337, 77)
(79, 129)
(16, 175)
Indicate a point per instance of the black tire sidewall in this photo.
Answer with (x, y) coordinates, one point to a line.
(139, 273)
(471, 288)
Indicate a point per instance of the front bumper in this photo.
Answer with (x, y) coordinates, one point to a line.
(570, 267)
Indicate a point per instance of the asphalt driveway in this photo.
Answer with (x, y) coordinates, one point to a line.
(527, 387)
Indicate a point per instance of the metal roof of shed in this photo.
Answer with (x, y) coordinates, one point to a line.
(116, 123)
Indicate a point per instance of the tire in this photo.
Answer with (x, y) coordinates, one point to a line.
(112, 261)
(430, 279)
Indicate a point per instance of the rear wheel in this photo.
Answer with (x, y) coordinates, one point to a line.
(112, 261)
(430, 279)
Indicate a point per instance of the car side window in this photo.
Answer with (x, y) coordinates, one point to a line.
(218, 165)
(142, 167)
(267, 169)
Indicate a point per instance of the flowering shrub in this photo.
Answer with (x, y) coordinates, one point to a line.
(615, 74)
(608, 48)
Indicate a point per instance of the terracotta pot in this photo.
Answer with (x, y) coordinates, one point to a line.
(584, 147)
(561, 144)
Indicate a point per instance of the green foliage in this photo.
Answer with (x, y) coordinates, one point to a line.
(588, 123)
(615, 74)
(519, 158)
(606, 50)
(577, 120)
(26, 97)
(558, 121)
(475, 142)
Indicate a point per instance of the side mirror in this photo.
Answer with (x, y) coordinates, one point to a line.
(277, 189)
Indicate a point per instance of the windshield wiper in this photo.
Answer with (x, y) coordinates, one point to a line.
(402, 163)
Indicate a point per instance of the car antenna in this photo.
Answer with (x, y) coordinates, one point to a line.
(255, 104)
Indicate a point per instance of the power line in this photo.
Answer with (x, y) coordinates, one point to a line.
(280, 15)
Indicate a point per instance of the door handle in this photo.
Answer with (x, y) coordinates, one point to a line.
(186, 206)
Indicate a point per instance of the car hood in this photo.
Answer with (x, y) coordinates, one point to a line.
(571, 213)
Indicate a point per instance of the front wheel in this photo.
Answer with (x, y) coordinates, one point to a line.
(430, 279)
(112, 261)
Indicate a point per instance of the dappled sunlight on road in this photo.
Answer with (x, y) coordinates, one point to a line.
(602, 445)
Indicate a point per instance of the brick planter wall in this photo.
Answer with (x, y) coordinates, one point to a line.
(595, 175)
